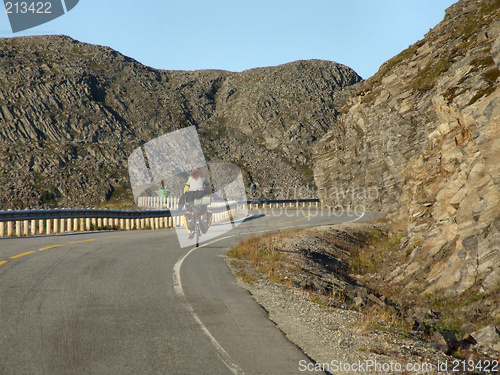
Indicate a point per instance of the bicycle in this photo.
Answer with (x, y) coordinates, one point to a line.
(198, 209)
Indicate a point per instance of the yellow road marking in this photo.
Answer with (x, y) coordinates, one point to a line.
(49, 247)
(288, 222)
(305, 217)
(20, 255)
(92, 239)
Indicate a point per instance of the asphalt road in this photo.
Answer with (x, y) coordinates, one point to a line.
(136, 303)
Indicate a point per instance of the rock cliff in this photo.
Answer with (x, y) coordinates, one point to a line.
(71, 113)
(422, 136)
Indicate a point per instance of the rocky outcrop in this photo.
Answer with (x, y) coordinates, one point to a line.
(423, 133)
(71, 113)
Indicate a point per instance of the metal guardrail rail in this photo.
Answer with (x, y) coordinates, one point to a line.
(283, 201)
(70, 213)
(32, 222)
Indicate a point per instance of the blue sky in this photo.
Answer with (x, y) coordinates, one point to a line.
(241, 34)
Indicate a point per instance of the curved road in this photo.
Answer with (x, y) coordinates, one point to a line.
(136, 303)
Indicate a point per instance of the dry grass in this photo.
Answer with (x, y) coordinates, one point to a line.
(385, 319)
(451, 309)
(328, 300)
(265, 255)
(379, 250)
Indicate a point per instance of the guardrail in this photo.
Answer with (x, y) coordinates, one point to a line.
(37, 222)
(171, 202)
(158, 202)
(262, 203)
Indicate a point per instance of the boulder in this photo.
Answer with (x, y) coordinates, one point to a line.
(488, 337)
(445, 341)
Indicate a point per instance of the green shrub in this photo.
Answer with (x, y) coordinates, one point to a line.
(491, 75)
(484, 92)
(428, 76)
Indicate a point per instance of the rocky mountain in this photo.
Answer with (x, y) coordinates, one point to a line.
(71, 113)
(421, 141)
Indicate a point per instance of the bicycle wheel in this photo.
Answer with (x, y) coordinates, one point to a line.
(197, 232)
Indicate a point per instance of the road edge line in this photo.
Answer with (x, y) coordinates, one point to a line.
(179, 291)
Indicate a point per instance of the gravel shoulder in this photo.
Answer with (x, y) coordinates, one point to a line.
(329, 336)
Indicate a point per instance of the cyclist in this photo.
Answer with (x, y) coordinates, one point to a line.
(194, 189)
